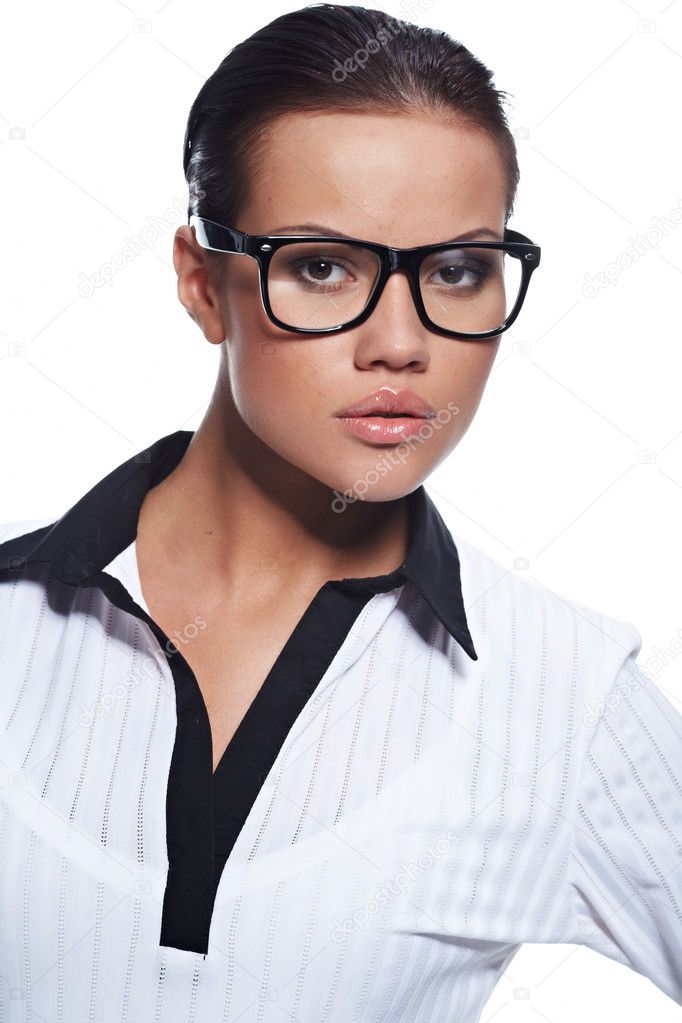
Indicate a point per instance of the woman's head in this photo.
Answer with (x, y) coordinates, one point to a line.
(376, 129)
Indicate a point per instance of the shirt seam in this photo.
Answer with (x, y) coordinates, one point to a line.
(579, 925)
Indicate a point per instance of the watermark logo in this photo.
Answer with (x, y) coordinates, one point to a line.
(393, 458)
(638, 675)
(393, 27)
(638, 247)
(150, 669)
(391, 887)
(134, 244)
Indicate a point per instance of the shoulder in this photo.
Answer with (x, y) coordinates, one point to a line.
(511, 610)
(19, 538)
(14, 528)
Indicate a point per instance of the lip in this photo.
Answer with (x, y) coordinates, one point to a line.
(368, 418)
(388, 400)
(380, 430)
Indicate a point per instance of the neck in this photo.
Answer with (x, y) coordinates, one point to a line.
(234, 507)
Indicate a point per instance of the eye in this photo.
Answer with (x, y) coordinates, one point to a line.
(317, 269)
(460, 271)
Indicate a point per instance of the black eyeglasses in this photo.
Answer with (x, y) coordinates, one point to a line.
(318, 284)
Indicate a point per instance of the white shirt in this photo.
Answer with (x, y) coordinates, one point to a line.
(444, 763)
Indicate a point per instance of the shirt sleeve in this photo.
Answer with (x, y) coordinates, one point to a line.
(625, 862)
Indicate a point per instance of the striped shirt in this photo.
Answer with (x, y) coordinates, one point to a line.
(443, 763)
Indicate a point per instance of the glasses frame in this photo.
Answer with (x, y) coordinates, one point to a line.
(262, 247)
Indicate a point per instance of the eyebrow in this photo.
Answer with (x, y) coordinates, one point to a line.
(475, 234)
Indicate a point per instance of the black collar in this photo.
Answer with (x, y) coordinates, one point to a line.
(103, 522)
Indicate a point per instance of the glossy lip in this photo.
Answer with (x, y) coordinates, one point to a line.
(389, 400)
(381, 430)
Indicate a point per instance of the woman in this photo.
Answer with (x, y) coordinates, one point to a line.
(278, 747)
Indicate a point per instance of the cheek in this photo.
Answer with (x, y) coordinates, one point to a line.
(286, 390)
(271, 372)
(280, 388)
(467, 372)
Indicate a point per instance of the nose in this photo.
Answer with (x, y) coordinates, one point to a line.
(393, 334)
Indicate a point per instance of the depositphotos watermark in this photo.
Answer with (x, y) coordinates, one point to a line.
(373, 44)
(186, 635)
(146, 238)
(390, 887)
(614, 698)
(150, 668)
(393, 458)
(660, 657)
(640, 674)
(639, 246)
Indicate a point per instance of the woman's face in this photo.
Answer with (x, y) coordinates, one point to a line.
(396, 179)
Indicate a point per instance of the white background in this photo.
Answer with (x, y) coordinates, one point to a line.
(574, 462)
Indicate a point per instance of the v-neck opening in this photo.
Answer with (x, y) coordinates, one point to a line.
(206, 810)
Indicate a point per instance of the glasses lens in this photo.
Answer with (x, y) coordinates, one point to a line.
(470, 290)
(315, 285)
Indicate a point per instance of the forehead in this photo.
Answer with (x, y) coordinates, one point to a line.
(402, 179)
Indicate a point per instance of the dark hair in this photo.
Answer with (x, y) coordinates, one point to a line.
(329, 57)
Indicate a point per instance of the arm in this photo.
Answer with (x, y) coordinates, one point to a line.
(625, 864)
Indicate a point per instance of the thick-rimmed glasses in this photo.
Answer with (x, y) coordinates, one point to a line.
(319, 284)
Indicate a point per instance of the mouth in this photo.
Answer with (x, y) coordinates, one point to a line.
(386, 428)
(383, 415)
(389, 403)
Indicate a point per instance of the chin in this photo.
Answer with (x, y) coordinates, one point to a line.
(367, 487)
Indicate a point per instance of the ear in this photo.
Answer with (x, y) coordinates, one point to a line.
(195, 289)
